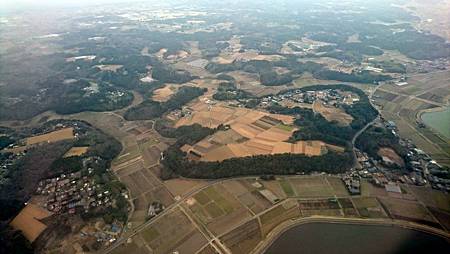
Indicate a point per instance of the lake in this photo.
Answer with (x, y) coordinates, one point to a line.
(439, 121)
(330, 238)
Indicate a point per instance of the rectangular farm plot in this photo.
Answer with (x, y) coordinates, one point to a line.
(62, 134)
(173, 232)
(287, 187)
(244, 238)
(324, 207)
(369, 207)
(248, 196)
(338, 186)
(408, 210)
(278, 215)
(217, 208)
(311, 187)
(347, 207)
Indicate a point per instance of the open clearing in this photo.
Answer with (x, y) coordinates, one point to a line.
(76, 151)
(332, 113)
(54, 136)
(311, 187)
(369, 207)
(407, 210)
(390, 155)
(164, 94)
(28, 221)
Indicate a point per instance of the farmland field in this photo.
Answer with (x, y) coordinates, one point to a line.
(217, 208)
(369, 207)
(278, 214)
(404, 104)
(251, 133)
(311, 187)
(28, 221)
(66, 133)
(76, 151)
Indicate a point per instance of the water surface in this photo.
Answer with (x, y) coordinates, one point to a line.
(331, 238)
(439, 121)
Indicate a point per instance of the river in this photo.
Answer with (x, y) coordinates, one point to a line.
(330, 238)
(439, 121)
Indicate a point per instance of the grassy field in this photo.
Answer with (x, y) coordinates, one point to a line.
(287, 188)
(311, 187)
(430, 197)
(217, 209)
(279, 214)
(369, 207)
(244, 238)
(338, 186)
(164, 236)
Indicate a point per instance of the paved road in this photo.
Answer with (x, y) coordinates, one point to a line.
(368, 124)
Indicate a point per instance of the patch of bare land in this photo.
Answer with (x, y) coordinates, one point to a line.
(54, 136)
(164, 94)
(84, 58)
(29, 221)
(249, 82)
(160, 53)
(230, 57)
(76, 151)
(388, 154)
(332, 113)
(302, 46)
(181, 54)
(109, 67)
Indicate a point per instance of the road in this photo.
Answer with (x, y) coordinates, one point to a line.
(368, 124)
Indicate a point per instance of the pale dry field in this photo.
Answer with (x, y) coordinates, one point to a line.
(66, 133)
(165, 93)
(109, 67)
(28, 222)
(76, 151)
(391, 154)
(332, 113)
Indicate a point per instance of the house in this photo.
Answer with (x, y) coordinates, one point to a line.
(392, 187)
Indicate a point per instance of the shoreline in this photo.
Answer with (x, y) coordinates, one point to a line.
(433, 110)
(282, 228)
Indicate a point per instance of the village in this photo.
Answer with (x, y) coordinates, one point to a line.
(293, 98)
(420, 169)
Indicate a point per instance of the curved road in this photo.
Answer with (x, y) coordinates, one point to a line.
(368, 124)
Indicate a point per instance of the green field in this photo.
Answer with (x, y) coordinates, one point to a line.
(287, 188)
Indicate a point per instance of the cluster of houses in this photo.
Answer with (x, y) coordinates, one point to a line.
(352, 182)
(333, 97)
(420, 169)
(154, 209)
(73, 192)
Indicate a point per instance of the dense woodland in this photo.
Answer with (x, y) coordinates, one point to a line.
(374, 138)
